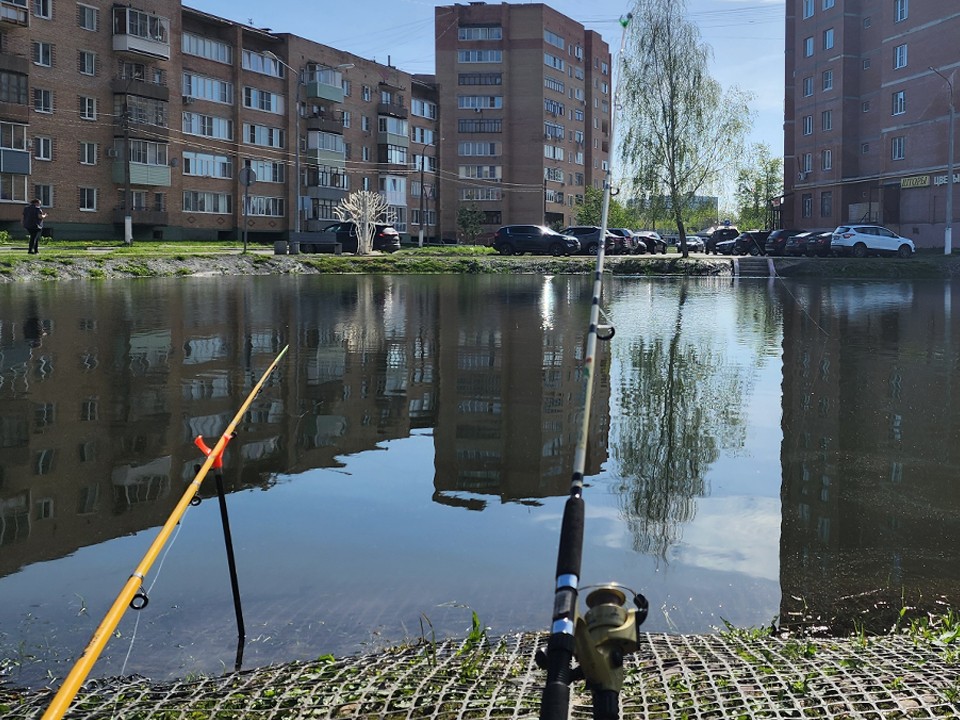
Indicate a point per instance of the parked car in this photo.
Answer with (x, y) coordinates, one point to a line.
(725, 247)
(589, 237)
(751, 242)
(695, 243)
(537, 239)
(777, 240)
(652, 241)
(863, 240)
(625, 242)
(718, 236)
(815, 243)
(385, 238)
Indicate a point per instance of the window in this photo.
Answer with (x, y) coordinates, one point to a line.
(897, 148)
(207, 126)
(43, 149)
(553, 39)
(807, 162)
(424, 136)
(43, 54)
(207, 202)
(88, 17)
(865, 106)
(807, 9)
(44, 193)
(866, 64)
(266, 206)
(807, 86)
(477, 78)
(145, 152)
(553, 61)
(864, 148)
(43, 9)
(345, 118)
(208, 88)
(259, 63)
(88, 108)
(13, 88)
(900, 56)
(42, 100)
(206, 48)
(207, 165)
(87, 63)
(365, 123)
(267, 170)
(806, 205)
(867, 21)
(365, 93)
(808, 47)
(826, 204)
(88, 153)
(88, 199)
(365, 153)
(828, 39)
(827, 79)
(262, 100)
(263, 135)
(827, 4)
(480, 32)
(826, 159)
(826, 120)
(141, 24)
(901, 10)
(898, 103)
(808, 124)
(13, 136)
(479, 102)
(423, 108)
(479, 56)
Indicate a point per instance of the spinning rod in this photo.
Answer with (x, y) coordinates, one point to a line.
(132, 595)
(607, 631)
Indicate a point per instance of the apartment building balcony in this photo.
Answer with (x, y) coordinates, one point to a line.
(140, 33)
(140, 87)
(142, 216)
(141, 174)
(326, 192)
(325, 123)
(15, 12)
(392, 109)
(319, 156)
(14, 162)
(14, 112)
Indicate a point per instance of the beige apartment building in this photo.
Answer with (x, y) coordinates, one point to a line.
(525, 101)
(152, 111)
(868, 90)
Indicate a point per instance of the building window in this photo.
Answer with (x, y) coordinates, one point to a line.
(42, 100)
(808, 124)
(864, 148)
(365, 153)
(87, 63)
(43, 54)
(826, 120)
(479, 56)
(826, 159)
(365, 123)
(900, 56)
(865, 106)
(826, 204)
(808, 47)
(807, 86)
(88, 108)
(345, 117)
(828, 39)
(88, 17)
(88, 199)
(807, 9)
(365, 93)
(866, 64)
(901, 10)
(898, 103)
(207, 202)
(867, 22)
(44, 193)
(827, 4)
(208, 165)
(806, 205)
(203, 47)
(480, 32)
(897, 148)
(258, 99)
(43, 9)
(808, 162)
(88, 153)
(827, 79)
(43, 148)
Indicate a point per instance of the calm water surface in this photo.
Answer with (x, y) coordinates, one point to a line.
(757, 450)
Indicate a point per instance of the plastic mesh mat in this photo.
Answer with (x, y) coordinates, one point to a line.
(669, 677)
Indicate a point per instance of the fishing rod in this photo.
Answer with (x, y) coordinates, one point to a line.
(132, 594)
(601, 637)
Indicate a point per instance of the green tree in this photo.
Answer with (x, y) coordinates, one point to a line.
(591, 211)
(682, 128)
(469, 222)
(758, 181)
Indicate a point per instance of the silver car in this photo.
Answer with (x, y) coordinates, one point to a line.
(863, 240)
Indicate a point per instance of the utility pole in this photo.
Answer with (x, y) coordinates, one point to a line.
(948, 230)
(423, 191)
(127, 192)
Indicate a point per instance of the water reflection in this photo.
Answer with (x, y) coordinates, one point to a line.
(746, 437)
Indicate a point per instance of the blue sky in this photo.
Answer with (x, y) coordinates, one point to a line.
(746, 37)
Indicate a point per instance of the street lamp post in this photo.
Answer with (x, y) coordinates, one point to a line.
(948, 230)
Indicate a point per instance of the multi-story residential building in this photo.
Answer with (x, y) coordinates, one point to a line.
(525, 96)
(266, 133)
(867, 114)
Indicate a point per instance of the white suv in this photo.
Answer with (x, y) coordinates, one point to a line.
(863, 240)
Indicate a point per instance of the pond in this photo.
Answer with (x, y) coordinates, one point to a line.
(759, 452)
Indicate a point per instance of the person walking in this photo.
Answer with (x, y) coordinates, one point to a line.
(33, 216)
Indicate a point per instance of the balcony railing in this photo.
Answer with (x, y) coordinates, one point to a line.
(15, 12)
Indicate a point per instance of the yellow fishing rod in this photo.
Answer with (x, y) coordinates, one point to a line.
(133, 587)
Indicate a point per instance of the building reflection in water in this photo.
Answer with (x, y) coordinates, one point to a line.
(104, 388)
(871, 508)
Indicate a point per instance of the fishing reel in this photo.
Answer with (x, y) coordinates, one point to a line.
(605, 634)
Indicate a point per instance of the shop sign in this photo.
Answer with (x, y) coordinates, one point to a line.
(915, 181)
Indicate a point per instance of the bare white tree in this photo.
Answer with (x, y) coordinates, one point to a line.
(365, 208)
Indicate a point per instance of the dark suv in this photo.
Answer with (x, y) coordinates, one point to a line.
(385, 237)
(719, 235)
(751, 242)
(777, 240)
(519, 239)
(589, 237)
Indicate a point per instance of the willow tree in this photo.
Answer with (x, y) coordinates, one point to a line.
(364, 208)
(759, 181)
(682, 131)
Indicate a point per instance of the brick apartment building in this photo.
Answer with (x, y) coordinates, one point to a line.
(156, 108)
(525, 96)
(866, 118)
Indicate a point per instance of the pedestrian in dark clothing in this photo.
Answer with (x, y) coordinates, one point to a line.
(33, 217)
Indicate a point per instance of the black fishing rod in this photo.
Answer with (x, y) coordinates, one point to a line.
(607, 631)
